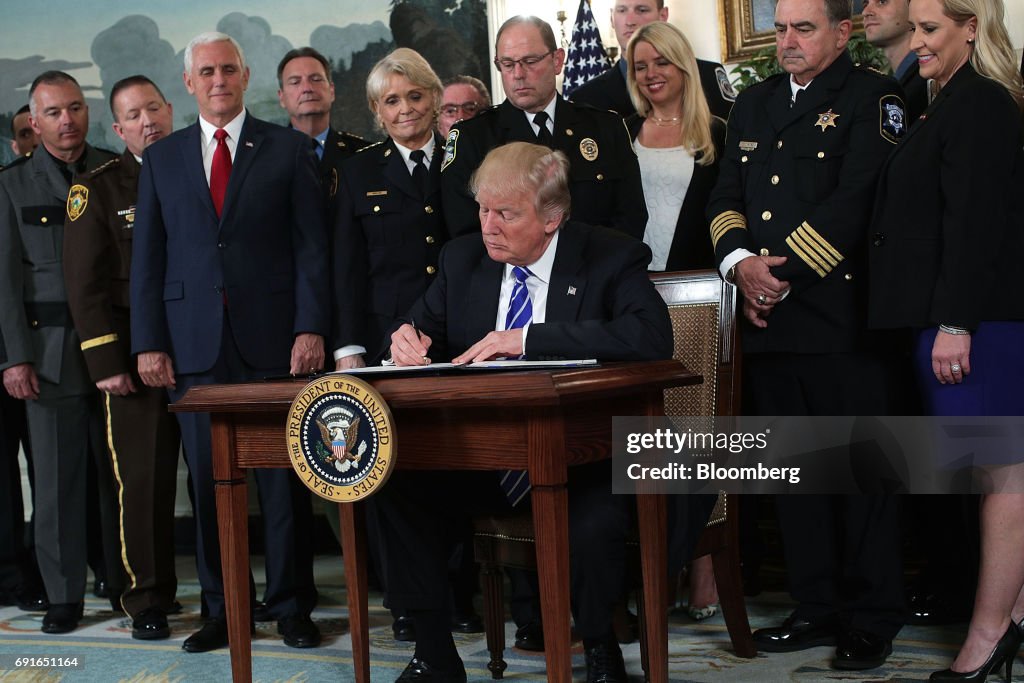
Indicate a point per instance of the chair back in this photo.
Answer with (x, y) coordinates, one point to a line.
(702, 307)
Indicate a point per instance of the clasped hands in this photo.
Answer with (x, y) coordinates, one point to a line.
(409, 347)
(761, 290)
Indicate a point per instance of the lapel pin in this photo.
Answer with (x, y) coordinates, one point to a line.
(571, 291)
(248, 144)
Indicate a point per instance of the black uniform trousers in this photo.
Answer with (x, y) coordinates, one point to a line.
(284, 501)
(143, 440)
(842, 551)
(416, 509)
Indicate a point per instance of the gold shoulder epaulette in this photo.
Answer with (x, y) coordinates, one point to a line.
(369, 147)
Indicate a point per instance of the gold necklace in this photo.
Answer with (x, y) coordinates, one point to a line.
(665, 123)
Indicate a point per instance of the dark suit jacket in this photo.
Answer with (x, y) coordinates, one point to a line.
(386, 242)
(915, 91)
(799, 182)
(946, 236)
(263, 263)
(605, 188)
(601, 303)
(691, 244)
(609, 91)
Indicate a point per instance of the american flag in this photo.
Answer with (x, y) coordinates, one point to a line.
(586, 57)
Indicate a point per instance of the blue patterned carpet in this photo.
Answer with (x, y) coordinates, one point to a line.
(697, 652)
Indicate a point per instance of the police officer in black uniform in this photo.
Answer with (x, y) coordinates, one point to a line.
(609, 91)
(142, 436)
(306, 91)
(789, 221)
(605, 176)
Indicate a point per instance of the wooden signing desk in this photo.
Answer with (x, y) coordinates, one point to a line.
(543, 421)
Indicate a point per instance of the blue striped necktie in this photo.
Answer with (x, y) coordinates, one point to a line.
(515, 484)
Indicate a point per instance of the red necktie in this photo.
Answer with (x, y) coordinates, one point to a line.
(220, 171)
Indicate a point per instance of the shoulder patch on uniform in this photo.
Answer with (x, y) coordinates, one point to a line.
(78, 199)
(892, 123)
(724, 84)
(450, 146)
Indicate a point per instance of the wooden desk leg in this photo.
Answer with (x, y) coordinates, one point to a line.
(353, 550)
(233, 527)
(550, 527)
(653, 520)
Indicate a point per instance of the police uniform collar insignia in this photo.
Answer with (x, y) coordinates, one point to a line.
(78, 199)
(387, 152)
(588, 148)
(827, 120)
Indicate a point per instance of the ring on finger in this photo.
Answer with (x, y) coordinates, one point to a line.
(954, 368)
(762, 299)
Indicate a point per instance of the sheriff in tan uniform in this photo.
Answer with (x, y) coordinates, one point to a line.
(141, 435)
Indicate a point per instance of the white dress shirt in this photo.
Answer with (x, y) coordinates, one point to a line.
(207, 129)
(536, 285)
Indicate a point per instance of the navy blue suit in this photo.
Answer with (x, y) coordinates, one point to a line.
(225, 297)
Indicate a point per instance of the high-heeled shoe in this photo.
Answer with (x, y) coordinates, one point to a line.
(1004, 652)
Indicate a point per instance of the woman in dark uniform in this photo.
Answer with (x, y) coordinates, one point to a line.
(678, 143)
(944, 264)
(389, 227)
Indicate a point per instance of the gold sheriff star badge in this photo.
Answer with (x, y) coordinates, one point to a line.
(827, 119)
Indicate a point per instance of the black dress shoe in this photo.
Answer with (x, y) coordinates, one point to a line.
(299, 631)
(467, 622)
(150, 624)
(418, 670)
(530, 637)
(860, 650)
(260, 612)
(794, 634)
(212, 636)
(604, 663)
(62, 617)
(404, 629)
(32, 600)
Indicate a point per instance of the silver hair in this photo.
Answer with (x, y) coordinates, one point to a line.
(207, 38)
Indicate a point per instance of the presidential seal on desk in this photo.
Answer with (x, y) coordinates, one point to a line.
(341, 438)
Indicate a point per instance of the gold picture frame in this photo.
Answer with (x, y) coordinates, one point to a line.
(747, 26)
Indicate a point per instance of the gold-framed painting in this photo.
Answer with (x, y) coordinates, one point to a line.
(749, 25)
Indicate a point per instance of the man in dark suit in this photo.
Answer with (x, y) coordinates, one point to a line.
(531, 285)
(44, 364)
(789, 220)
(229, 282)
(609, 91)
(306, 92)
(887, 26)
(605, 179)
(142, 436)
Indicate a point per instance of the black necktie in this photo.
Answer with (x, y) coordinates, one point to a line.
(792, 100)
(419, 171)
(543, 134)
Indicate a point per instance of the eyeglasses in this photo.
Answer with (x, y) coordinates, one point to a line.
(468, 108)
(527, 62)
